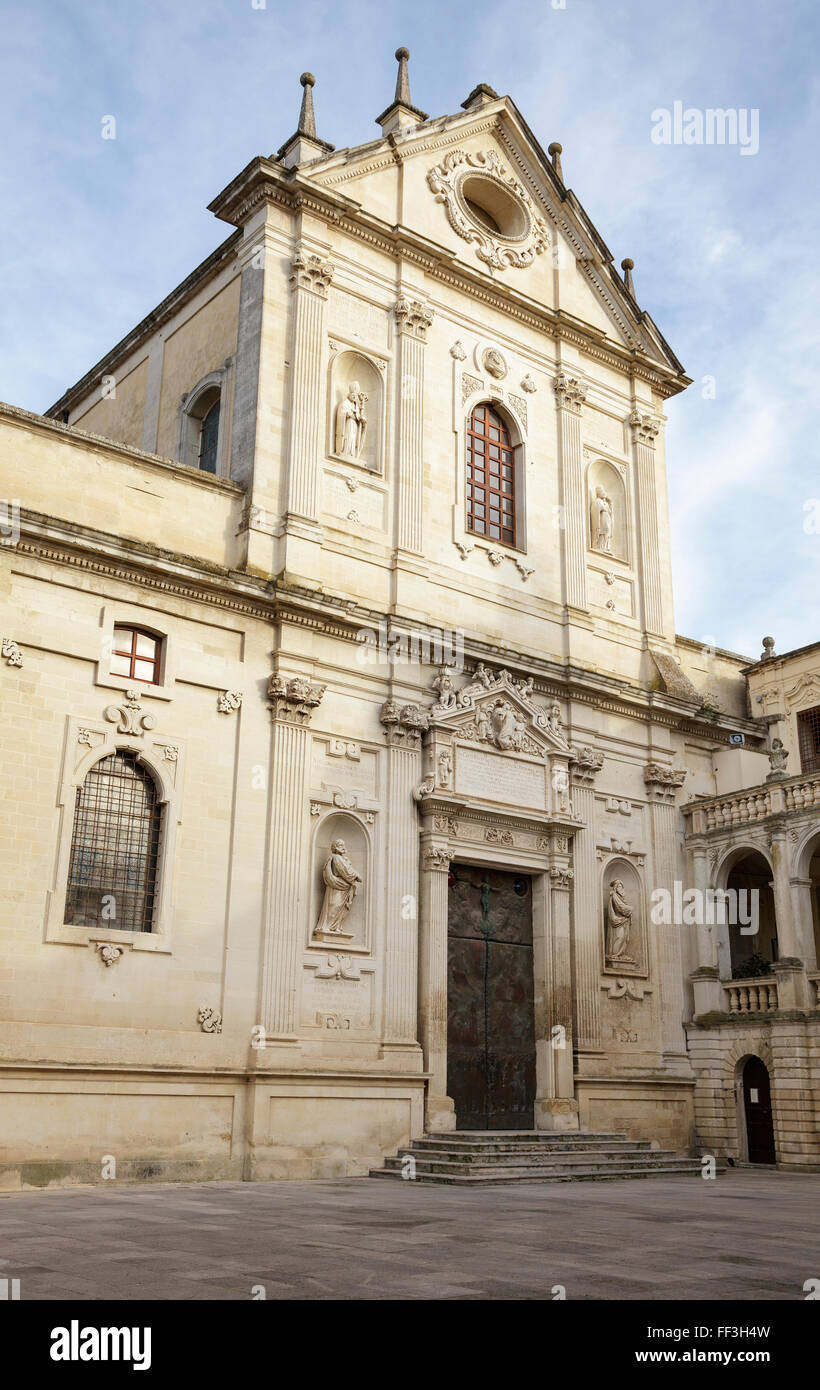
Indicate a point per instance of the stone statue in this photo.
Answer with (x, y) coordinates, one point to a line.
(507, 728)
(445, 767)
(482, 723)
(341, 882)
(554, 719)
(483, 675)
(778, 757)
(602, 521)
(445, 689)
(619, 925)
(351, 423)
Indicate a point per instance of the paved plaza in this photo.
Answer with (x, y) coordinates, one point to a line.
(748, 1235)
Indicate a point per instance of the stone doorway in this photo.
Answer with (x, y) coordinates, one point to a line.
(490, 999)
(757, 1106)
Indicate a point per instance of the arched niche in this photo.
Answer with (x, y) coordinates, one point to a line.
(623, 919)
(355, 426)
(330, 924)
(606, 511)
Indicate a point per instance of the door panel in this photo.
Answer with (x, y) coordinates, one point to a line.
(490, 1027)
(757, 1103)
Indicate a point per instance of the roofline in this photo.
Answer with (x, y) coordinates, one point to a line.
(778, 659)
(152, 321)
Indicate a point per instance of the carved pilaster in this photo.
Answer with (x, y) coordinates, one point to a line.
(412, 321)
(569, 397)
(585, 763)
(310, 279)
(401, 937)
(663, 818)
(293, 702)
(644, 432)
(435, 863)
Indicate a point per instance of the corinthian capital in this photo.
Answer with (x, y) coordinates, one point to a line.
(311, 273)
(663, 782)
(584, 763)
(570, 393)
(404, 724)
(293, 700)
(644, 428)
(412, 317)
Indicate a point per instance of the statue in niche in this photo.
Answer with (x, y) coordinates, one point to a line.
(351, 423)
(445, 767)
(619, 925)
(602, 521)
(341, 883)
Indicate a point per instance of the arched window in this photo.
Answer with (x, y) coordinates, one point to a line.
(490, 476)
(112, 872)
(136, 654)
(209, 439)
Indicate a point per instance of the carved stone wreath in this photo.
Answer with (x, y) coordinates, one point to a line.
(496, 249)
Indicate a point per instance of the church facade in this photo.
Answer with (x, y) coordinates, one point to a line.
(359, 784)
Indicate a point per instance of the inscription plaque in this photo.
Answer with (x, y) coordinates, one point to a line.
(493, 777)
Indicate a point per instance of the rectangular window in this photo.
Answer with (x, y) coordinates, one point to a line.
(808, 739)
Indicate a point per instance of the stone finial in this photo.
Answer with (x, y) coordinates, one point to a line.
(768, 649)
(307, 116)
(555, 151)
(304, 144)
(627, 266)
(401, 114)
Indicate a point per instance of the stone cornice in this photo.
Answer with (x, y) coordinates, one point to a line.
(185, 577)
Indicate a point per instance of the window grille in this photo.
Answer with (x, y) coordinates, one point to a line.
(112, 874)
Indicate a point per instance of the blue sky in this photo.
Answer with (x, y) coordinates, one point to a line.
(93, 232)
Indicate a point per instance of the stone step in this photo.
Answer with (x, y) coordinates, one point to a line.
(531, 1158)
(534, 1136)
(443, 1164)
(555, 1146)
(690, 1169)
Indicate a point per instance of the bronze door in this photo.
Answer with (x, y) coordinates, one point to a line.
(757, 1103)
(490, 1007)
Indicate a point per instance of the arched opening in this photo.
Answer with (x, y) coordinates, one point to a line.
(113, 865)
(201, 434)
(209, 438)
(755, 1096)
(492, 485)
(750, 915)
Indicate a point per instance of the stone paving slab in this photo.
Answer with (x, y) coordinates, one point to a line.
(747, 1236)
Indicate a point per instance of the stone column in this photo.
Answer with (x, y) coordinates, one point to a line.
(662, 784)
(793, 989)
(292, 704)
(584, 765)
(569, 397)
(555, 1103)
(435, 865)
(644, 432)
(404, 725)
(412, 322)
(310, 281)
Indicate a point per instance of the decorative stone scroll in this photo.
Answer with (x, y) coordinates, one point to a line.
(128, 716)
(210, 1020)
(626, 989)
(470, 386)
(229, 701)
(293, 700)
(11, 652)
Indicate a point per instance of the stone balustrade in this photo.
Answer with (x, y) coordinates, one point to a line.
(757, 996)
(742, 808)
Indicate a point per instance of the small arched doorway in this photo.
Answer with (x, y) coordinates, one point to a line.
(757, 1109)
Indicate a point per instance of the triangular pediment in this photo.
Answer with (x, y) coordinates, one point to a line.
(497, 710)
(416, 183)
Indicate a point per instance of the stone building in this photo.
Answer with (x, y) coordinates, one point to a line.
(348, 746)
